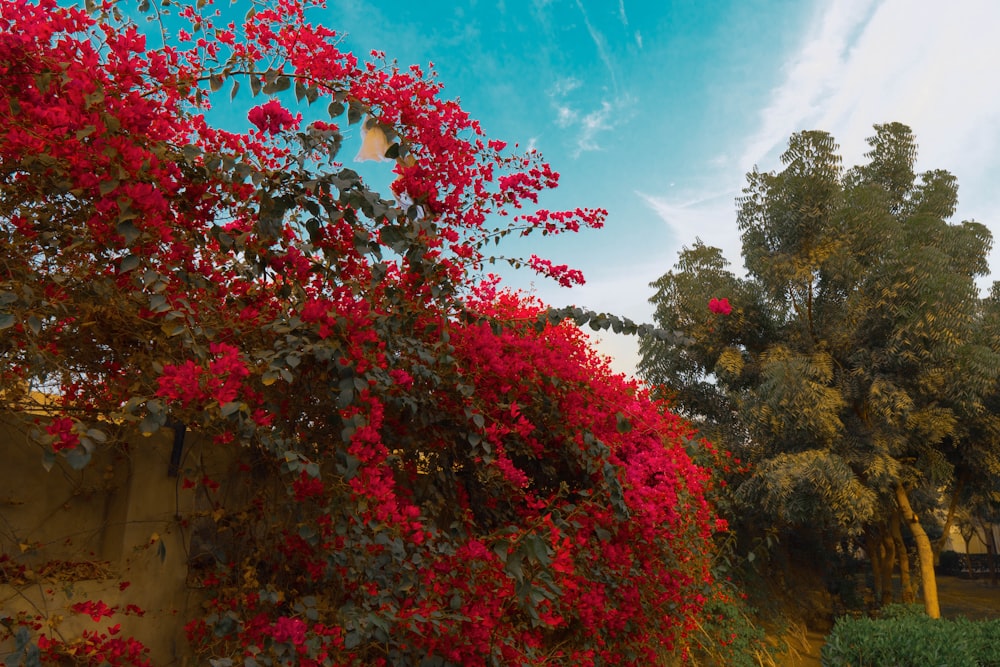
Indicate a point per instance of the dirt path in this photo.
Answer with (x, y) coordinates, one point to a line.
(972, 598)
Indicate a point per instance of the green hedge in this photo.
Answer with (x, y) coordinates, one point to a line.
(905, 637)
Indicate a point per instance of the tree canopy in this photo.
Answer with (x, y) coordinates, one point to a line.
(852, 361)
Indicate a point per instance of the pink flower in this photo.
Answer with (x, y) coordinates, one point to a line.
(720, 306)
(271, 117)
(289, 631)
(63, 432)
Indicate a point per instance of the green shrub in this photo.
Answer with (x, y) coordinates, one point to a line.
(905, 637)
(727, 635)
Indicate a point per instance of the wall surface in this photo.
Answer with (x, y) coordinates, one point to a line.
(118, 531)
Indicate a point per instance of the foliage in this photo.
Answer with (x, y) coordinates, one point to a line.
(906, 636)
(729, 635)
(852, 364)
(462, 479)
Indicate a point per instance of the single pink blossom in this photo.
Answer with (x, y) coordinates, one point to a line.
(271, 117)
(720, 306)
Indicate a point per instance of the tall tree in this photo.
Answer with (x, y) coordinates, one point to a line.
(847, 357)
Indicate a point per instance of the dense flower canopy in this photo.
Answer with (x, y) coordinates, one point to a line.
(468, 483)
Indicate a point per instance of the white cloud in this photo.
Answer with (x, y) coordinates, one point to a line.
(594, 122)
(925, 63)
(710, 217)
(584, 126)
(812, 76)
(565, 86)
(565, 116)
(928, 64)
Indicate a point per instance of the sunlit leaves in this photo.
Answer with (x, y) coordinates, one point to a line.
(852, 339)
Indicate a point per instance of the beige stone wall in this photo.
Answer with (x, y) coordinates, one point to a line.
(115, 531)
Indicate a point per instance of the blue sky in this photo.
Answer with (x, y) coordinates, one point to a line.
(657, 110)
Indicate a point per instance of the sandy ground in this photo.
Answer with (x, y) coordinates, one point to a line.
(972, 598)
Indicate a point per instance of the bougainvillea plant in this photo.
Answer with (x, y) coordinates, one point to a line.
(465, 481)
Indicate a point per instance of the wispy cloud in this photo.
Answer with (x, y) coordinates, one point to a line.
(565, 116)
(706, 216)
(565, 86)
(598, 120)
(924, 63)
(601, 44)
(814, 74)
(921, 62)
(585, 125)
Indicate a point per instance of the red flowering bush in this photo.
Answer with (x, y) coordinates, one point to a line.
(463, 481)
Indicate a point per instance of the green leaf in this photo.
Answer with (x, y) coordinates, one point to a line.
(158, 303)
(355, 112)
(624, 424)
(6, 321)
(78, 457)
(171, 329)
(98, 435)
(230, 408)
(129, 263)
(128, 232)
(150, 425)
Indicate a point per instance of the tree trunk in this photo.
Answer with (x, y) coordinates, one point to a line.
(968, 557)
(924, 552)
(991, 549)
(873, 544)
(952, 506)
(888, 564)
(904, 558)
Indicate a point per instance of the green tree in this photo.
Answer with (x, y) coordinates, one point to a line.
(850, 364)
